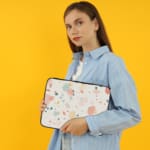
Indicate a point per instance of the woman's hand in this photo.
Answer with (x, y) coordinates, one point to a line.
(77, 126)
(42, 106)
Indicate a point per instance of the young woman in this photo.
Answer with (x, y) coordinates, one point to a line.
(94, 62)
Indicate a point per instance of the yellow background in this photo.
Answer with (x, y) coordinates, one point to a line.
(33, 47)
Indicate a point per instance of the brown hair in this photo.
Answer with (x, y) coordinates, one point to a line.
(92, 12)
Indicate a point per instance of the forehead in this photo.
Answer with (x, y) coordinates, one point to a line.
(74, 15)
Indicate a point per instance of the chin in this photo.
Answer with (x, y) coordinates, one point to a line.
(77, 44)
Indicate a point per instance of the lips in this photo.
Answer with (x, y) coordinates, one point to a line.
(76, 38)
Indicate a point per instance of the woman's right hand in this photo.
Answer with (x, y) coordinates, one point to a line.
(42, 106)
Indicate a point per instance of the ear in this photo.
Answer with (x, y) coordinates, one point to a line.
(96, 25)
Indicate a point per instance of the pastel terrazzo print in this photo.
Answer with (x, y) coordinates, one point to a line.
(69, 99)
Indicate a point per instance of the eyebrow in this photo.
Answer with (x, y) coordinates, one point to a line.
(76, 20)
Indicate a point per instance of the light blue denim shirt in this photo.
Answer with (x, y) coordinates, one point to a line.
(100, 66)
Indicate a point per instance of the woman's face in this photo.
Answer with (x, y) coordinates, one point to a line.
(81, 30)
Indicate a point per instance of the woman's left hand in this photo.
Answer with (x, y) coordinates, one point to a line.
(77, 126)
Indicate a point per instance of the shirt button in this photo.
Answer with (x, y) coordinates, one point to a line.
(99, 133)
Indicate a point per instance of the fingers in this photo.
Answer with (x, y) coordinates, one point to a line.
(75, 127)
(42, 105)
(42, 101)
(66, 127)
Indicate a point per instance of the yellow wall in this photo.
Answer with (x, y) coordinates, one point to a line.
(33, 47)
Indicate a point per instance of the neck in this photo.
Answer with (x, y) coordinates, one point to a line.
(91, 45)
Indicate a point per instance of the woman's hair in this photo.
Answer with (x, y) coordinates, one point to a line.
(92, 12)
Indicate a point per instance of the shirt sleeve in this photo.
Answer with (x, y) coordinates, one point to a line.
(125, 112)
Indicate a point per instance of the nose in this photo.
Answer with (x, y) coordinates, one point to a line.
(74, 30)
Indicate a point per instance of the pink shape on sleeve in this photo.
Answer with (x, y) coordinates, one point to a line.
(91, 110)
(107, 90)
(48, 98)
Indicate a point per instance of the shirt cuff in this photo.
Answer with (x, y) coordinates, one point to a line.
(92, 130)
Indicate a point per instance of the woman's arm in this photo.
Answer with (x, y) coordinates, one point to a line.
(126, 112)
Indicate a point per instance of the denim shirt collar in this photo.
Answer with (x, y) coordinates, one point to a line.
(93, 53)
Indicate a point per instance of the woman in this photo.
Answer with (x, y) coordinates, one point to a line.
(94, 62)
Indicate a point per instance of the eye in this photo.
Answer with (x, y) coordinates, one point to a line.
(68, 27)
(79, 23)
